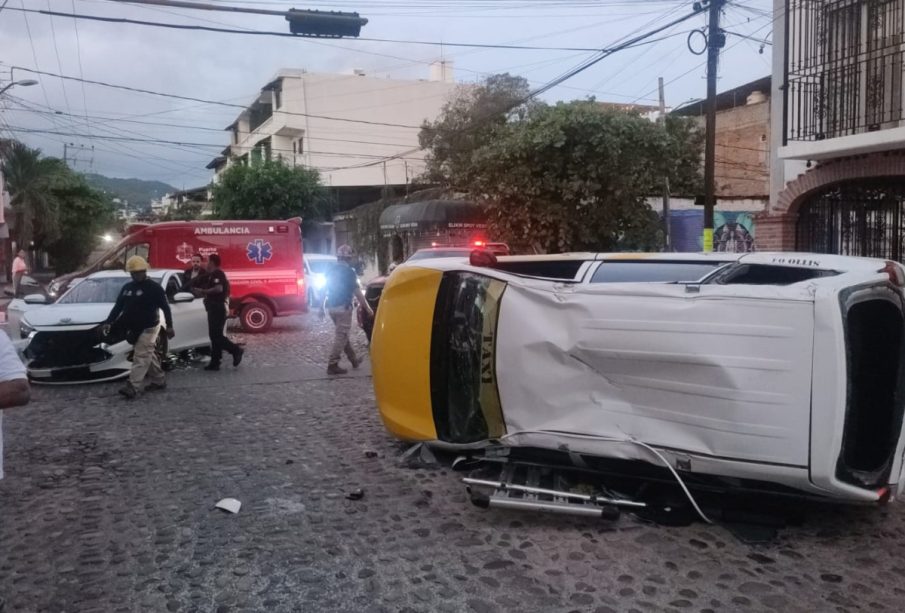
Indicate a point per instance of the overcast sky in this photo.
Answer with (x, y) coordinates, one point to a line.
(232, 67)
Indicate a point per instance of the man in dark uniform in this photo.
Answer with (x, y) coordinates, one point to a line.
(137, 310)
(342, 287)
(216, 293)
(195, 275)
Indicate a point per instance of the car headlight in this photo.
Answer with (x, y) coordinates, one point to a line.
(320, 280)
(54, 288)
(24, 329)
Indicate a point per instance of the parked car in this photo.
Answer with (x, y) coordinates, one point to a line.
(608, 268)
(316, 268)
(777, 372)
(63, 342)
(263, 260)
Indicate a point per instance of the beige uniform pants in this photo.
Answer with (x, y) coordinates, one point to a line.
(145, 360)
(342, 319)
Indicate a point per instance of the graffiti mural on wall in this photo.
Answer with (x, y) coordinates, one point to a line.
(734, 232)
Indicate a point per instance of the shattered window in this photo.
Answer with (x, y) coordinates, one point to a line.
(762, 274)
(464, 394)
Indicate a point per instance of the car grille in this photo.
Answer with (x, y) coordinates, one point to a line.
(65, 349)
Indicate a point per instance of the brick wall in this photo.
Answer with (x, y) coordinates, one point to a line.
(776, 227)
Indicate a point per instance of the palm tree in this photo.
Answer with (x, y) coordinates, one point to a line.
(33, 183)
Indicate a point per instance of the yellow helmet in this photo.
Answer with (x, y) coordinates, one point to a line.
(136, 264)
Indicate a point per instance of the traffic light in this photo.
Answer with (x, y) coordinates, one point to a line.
(324, 24)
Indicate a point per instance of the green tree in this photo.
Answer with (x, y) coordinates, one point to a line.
(269, 190)
(187, 211)
(84, 214)
(468, 122)
(53, 207)
(576, 177)
(32, 181)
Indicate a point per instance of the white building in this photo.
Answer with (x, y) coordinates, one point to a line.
(359, 131)
(838, 128)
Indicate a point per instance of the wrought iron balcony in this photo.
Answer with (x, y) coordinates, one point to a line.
(844, 68)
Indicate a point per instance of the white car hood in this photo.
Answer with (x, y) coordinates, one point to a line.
(56, 315)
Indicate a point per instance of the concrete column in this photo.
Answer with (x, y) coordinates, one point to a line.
(777, 166)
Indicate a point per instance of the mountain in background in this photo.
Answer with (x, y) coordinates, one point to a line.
(137, 192)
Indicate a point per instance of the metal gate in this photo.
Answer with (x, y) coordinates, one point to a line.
(860, 218)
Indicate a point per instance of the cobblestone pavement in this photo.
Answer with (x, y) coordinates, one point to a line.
(108, 506)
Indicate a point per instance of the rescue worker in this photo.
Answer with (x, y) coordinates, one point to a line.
(137, 310)
(195, 275)
(215, 290)
(342, 287)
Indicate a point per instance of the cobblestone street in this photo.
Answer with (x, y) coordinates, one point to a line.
(108, 505)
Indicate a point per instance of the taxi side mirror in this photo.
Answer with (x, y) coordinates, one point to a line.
(182, 297)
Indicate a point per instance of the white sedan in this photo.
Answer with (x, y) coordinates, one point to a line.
(63, 343)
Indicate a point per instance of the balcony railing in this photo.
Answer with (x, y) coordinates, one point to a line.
(844, 67)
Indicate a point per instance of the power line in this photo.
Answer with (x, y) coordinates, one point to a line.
(608, 52)
(177, 26)
(203, 101)
(78, 51)
(56, 49)
(160, 141)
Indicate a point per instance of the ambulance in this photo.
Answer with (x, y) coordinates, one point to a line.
(262, 260)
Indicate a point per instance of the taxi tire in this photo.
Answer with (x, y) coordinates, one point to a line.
(256, 317)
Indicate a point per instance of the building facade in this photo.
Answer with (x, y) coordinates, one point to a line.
(742, 172)
(838, 172)
(359, 131)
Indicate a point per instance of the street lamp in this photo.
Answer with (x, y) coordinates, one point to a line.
(23, 83)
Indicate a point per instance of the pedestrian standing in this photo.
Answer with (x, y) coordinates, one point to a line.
(216, 296)
(342, 287)
(14, 389)
(137, 312)
(20, 268)
(195, 275)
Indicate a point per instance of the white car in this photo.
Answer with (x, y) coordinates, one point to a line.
(63, 341)
(316, 267)
(780, 372)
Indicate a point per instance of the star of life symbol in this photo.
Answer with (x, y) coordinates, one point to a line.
(259, 251)
(184, 253)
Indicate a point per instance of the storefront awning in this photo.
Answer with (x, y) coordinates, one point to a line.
(432, 215)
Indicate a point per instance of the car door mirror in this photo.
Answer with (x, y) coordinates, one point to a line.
(35, 299)
(183, 297)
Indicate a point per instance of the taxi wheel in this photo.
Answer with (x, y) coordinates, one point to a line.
(256, 317)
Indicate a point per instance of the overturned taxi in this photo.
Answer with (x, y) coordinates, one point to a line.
(780, 369)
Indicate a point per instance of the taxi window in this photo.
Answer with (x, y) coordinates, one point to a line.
(653, 271)
(464, 394)
(762, 274)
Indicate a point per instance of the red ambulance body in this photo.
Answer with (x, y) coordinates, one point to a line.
(262, 260)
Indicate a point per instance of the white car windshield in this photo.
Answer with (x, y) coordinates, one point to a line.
(96, 290)
(320, 266)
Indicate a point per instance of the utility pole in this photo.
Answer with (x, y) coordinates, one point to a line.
(716, 40)
(666, 242)
(68, 148)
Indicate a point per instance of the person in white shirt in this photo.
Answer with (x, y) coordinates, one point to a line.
(20, 267)
(14, 389)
